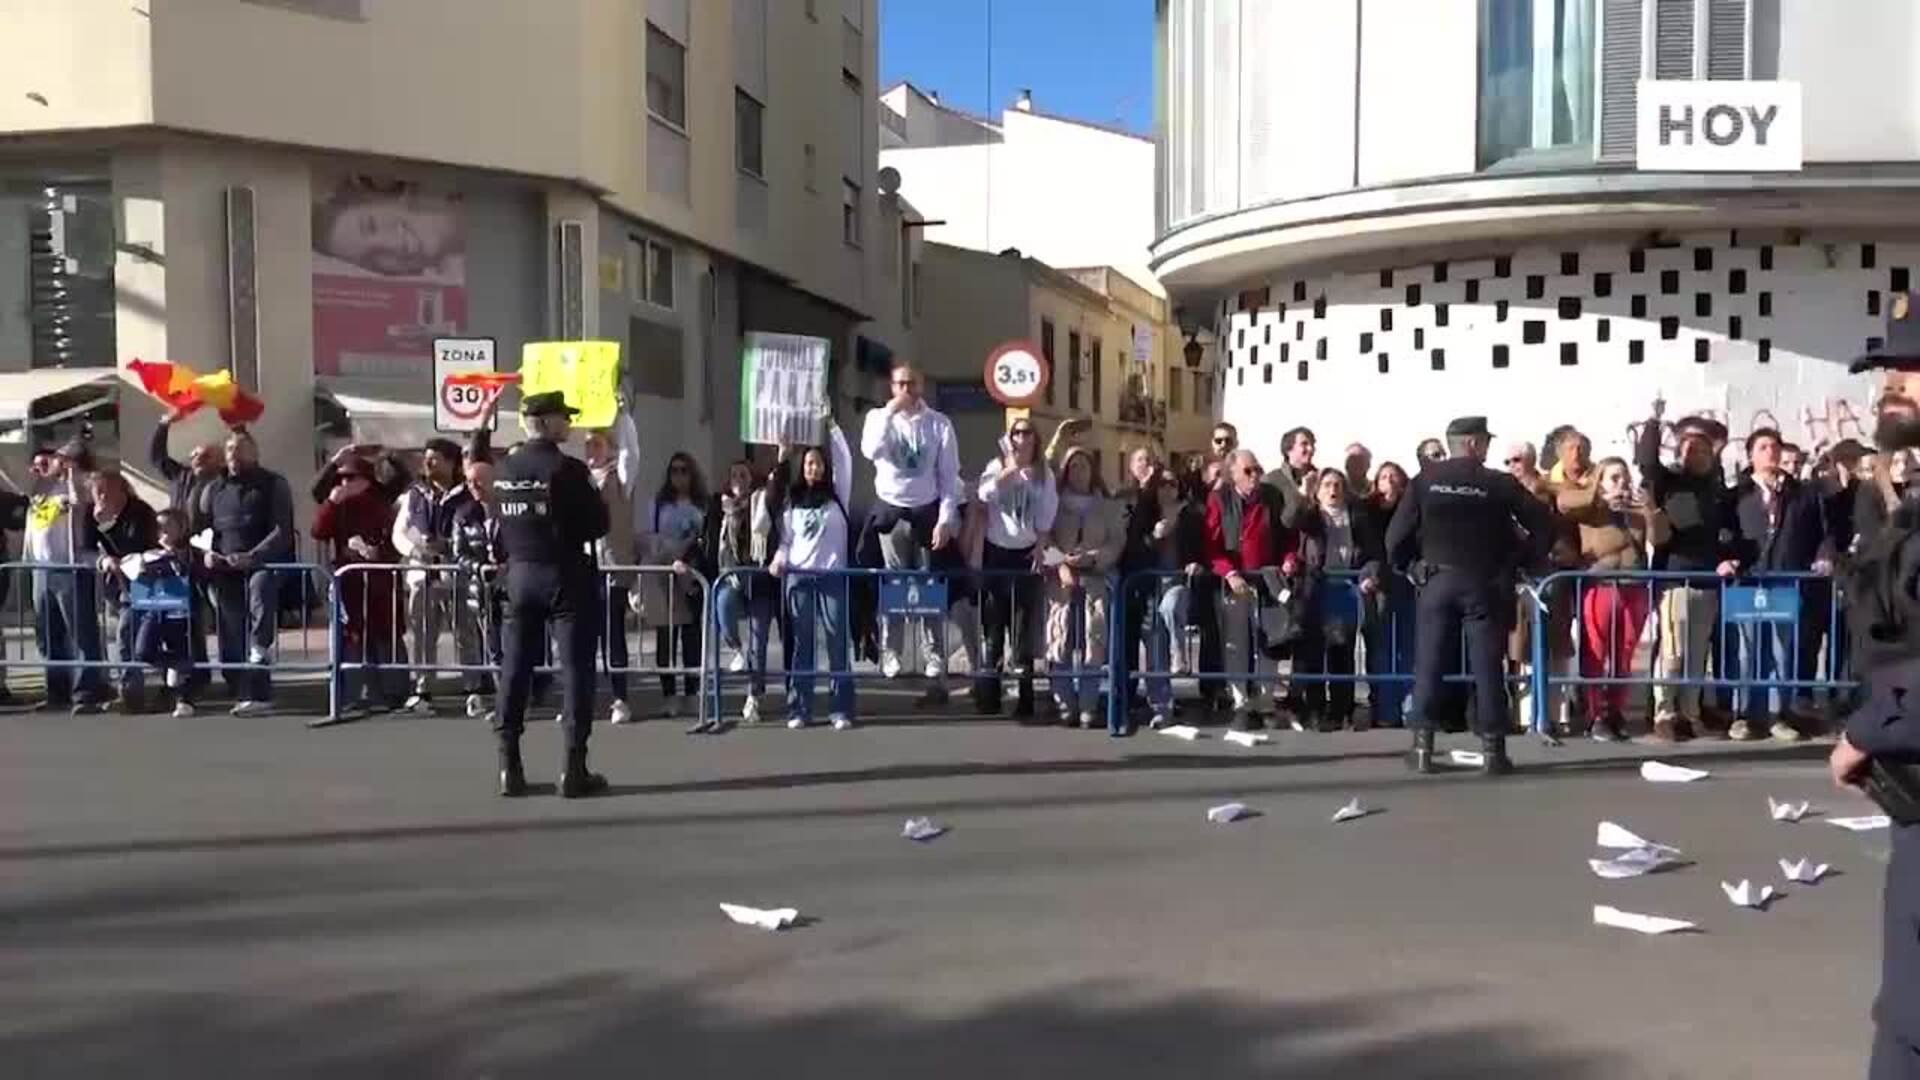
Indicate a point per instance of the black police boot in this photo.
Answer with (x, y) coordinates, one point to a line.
(986, 695)
(1420, 758)
(1494, 759)
(513, 778)
(1023, 702)
(576, 781)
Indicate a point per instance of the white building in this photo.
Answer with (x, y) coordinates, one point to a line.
(1398, 211)
(1066, 192)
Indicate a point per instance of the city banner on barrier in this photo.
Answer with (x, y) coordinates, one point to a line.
(586, 372)
(783, 389)
(389, 275)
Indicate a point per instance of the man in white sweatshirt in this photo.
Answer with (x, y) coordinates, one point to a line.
(916, 481)
(66, 616)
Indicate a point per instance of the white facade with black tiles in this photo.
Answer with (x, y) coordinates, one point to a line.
(1457, 227)
(1749, 327)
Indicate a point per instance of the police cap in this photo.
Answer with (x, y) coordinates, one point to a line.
(1469, 425)
(1899, 348)
(550, 403)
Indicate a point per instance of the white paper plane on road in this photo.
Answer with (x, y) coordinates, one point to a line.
(764, 918)
(1352, 810)
(1470, 758)
(1645, 924)
(1182, 731)
(1862, 824)
(921, 829)
(1804, 871)
(1609, 835)
(1248, 739)
(1662, 773)
(1745, 895)
(1789, 812)
(1634, 863)
(1226, 812)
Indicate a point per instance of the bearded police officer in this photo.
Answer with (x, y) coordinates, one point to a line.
(1465, 529)
(1880, 747)
(550, 515)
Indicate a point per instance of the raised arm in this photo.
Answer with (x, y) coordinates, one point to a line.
(157, 455)
(947, 474)
(842, 459)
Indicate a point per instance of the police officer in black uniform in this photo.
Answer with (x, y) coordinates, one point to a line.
(550, 515)
(1465, 529)
(1881, 741)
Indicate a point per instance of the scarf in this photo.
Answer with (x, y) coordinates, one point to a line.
(1232, 505)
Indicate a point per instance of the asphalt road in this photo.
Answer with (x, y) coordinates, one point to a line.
(223, 898)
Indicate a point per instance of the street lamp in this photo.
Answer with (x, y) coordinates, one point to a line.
(1193, 351)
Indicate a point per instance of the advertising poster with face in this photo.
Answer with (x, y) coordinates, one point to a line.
(389, 275)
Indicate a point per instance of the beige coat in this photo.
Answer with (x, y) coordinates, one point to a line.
(1098, 533)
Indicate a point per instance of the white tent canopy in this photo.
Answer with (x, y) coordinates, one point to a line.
(20, 389)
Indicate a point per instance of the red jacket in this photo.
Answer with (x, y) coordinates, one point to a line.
(368, 596)
(1265, 539)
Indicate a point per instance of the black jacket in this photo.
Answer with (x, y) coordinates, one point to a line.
(1700, 509)
(183, 487)
(549, 510)
(135, 530)
(1786, 538)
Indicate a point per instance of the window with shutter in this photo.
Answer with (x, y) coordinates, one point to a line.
(1621, 62)
(1727, 40)
(1673, 39)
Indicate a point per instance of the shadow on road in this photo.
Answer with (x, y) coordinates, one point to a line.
(607, 1025)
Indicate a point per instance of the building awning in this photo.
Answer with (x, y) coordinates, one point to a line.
(20, 389)
(391, 412)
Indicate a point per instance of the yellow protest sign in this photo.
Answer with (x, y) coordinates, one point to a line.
(587, 372)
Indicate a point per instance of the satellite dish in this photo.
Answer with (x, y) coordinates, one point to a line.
(889, 180)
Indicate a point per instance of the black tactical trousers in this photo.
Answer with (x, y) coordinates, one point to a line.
(568, 599)
(1455, 604)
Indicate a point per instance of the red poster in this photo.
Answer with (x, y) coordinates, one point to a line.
(389, 276)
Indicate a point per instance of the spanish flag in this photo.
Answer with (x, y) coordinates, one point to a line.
(184, 388)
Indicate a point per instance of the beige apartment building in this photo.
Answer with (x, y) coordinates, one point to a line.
(1114, 357)
(310, 191)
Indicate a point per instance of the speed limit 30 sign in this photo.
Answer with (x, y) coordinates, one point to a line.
(1016, 374)
(458, 406)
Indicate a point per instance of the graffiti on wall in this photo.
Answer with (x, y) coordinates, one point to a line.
(1817, 426)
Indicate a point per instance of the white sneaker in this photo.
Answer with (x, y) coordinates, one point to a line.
(475, 706)
(738, 664)
(1238, 694)
(560, 719)
(182, 710)
(890, 664)
(1159, 721)
(750, 710)
(1177, 662)
(256, 655)
(936, 667)
(796, 724)
(622, 713)
(253, 708)
(841, 721)
(420, 705)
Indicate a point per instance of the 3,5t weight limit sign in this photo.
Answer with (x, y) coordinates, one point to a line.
(1016, 374)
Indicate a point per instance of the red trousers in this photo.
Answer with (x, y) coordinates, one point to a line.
(1611, 618)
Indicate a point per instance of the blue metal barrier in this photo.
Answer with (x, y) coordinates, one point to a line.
(896, 583)
(1760, 615)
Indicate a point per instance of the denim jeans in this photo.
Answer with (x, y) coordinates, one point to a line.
(165, 642)
(1153, 623)
(247, 618)
(809, 598)
(67, 627)
(1766, 652)
(734, 600)
(127, 640)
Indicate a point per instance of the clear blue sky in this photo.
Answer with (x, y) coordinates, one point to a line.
(1087, 59)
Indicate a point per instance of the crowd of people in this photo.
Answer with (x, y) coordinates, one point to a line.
(1222, 570)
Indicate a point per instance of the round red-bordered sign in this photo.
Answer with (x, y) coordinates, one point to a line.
(1016, 374)
(466, 401)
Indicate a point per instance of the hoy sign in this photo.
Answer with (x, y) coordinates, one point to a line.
(1714, 126)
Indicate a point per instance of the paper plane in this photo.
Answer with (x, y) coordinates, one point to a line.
(1352, 810)
(764, 918)
(921, 829)
(1662, 773)
(1787, 811)
(1862, 824)
(1804, 871)
(1471, 758)
(1609, 835)
(1634, 863)
(1645, 924)
(1183, 731)
(1248, 739)
(1226, 812)
(1745, 895)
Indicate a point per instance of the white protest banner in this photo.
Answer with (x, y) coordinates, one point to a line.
(783, 389)
(459, 400)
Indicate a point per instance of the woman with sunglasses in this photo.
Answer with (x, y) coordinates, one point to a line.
(1086, 539)
(742, 537)
(1020, 501)
(676, 524)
